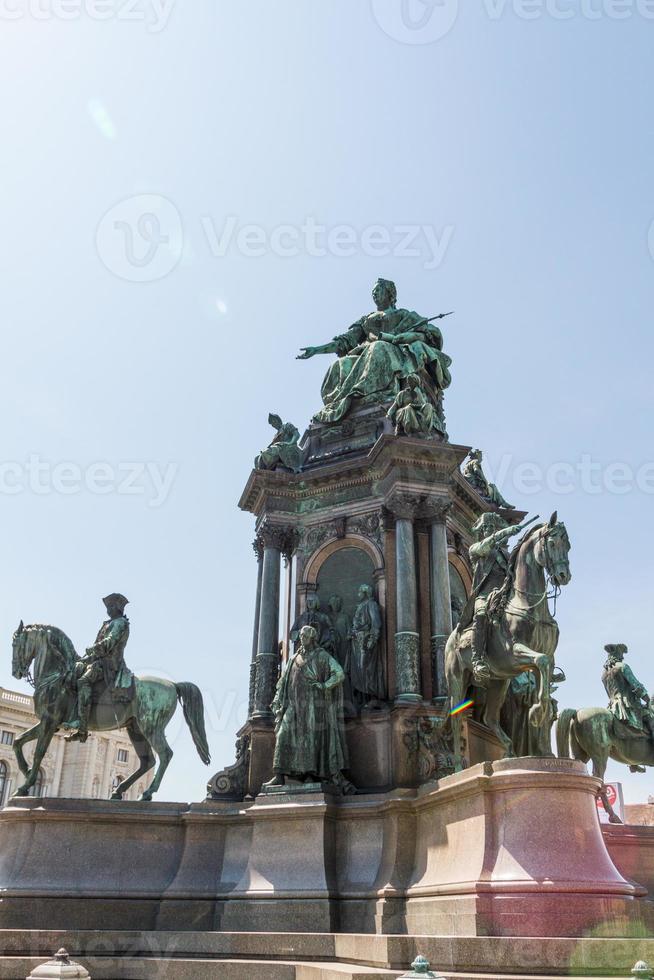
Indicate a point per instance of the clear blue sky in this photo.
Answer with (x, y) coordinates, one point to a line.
(524, 148)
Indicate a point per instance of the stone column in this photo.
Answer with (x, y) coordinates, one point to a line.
(275, 539)
(441, 608)
(405, 507)
(258, 550)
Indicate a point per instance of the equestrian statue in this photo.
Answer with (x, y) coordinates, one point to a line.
(506, 627)
(624, 731)
(99, 693)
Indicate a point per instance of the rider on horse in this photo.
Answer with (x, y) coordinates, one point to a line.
(105, 662)
(627, 694)
(490, 560)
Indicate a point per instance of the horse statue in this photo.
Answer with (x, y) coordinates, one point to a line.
(595, 735)
(523, 634)
(46, 653)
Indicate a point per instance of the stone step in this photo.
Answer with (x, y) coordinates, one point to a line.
(128, 968)
(341, 955)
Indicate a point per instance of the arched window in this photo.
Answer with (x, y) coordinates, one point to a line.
(4, 777)
(37, 788)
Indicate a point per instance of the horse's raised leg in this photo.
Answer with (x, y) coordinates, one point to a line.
(146, 759)
(495, 698)
(24, 739)
(165, 753)
(47, 727)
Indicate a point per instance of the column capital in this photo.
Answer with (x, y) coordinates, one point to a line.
(404, 504)
(257, 546)
(435, 510)
(283, 537)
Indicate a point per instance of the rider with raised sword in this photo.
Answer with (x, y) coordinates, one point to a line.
(490, 560)
(104, 661)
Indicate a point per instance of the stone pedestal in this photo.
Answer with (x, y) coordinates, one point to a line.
(288, 883)
(505, 849)
(522, 855)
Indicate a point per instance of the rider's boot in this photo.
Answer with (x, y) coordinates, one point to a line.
(84, 708)
(480, 668)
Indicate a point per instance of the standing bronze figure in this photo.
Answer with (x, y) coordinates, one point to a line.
(366, 666)
(308, 706)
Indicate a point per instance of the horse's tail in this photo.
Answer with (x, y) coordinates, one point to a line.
(190, 697)
(563, 726)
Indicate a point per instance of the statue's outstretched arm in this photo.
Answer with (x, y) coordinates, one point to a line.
(339, 345)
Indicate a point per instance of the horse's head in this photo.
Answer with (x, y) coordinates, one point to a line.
(22, 653)
(552, 546)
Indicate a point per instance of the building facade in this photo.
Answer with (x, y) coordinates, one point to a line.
(70, 769)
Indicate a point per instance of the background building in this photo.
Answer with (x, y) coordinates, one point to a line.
(89, 770)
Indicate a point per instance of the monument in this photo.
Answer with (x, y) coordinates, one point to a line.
(395, 777)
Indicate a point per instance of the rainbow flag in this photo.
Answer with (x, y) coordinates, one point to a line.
(463, 706)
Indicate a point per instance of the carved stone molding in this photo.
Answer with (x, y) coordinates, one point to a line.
(368, 526)
(426, 738)
(231, 783)
(316, 535)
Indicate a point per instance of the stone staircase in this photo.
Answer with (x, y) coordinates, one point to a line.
(309, 956)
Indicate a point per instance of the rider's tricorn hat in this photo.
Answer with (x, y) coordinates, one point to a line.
(115, 599)
(619, 648)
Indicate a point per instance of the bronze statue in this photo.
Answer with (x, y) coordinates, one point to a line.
(283, 452)
(309, 729)
(312, 616)
(514, 718)
(412, 413)
(366, 666)
(629, 701)
(490, 561)
(623, 732)
(376, 353)
(522, 635)
(474, 474)
(104, 662)
(143, 707)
